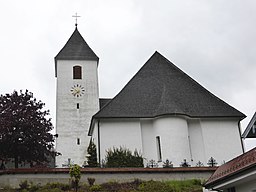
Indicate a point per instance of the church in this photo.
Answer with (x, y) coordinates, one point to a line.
(161, 112)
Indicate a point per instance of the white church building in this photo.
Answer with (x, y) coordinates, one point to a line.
(161, 112)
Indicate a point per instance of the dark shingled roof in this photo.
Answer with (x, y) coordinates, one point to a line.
(76, 49)
(103, 102)
(160, 88)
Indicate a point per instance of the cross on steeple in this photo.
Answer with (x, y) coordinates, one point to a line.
(76, 18)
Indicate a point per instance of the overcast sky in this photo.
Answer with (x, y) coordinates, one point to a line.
(213, 41)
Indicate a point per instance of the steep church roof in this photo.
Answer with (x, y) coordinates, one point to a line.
(76, 48)
(161, 88)
(103, 102)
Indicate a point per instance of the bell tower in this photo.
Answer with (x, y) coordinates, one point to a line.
(77, 99)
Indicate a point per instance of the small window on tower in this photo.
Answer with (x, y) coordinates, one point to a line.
(77, 105)
(78, 141)
(77, 72)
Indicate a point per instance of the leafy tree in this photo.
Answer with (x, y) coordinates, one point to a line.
(75, 174)
(92, 155)
(121, 157)
(24, 129)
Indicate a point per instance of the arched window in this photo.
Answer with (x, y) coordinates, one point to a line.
(77, 72)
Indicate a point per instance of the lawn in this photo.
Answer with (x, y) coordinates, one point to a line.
(134, 186)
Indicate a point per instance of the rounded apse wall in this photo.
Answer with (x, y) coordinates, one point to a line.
(173, 135)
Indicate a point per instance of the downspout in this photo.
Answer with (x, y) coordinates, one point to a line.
(98, 124)
(242, 143)
(190, 150)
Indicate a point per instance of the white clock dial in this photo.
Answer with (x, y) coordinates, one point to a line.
(77, 90)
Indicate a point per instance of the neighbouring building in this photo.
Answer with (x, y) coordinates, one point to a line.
(250, 131)
(237, 175)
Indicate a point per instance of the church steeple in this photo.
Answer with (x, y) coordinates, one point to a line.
(76, 48)
(77, 96)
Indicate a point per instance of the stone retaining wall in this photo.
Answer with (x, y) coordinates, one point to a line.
(13, 177)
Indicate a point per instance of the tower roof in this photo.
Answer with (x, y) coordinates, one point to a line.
(161, 88)
(76, 48)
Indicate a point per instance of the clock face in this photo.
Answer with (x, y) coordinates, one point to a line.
(77, 90)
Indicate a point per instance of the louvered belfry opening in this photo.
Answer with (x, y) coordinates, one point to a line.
(77, 72)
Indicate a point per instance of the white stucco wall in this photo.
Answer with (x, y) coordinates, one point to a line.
(196, 140)
(120, 133)
(221, 139)
(173, 132)
(181, 138)
(148, 140)
(73, 123)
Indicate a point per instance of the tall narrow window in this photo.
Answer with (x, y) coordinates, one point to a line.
(158, 147)
(77, 72)
(77, 105)
(78, 141)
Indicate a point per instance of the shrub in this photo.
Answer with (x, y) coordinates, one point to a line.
(75, 175)
(186, 186)
(95, 188)
(84, 187)
(121, 187)
(121, 157)
(24, 185)
(24, 190)
(62, 186)
(136, 182)
(91, 181)
(50, 190)
(152, 186)
(112, 186)
(34, 188)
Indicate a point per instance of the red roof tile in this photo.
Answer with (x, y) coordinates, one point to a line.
(235, 166)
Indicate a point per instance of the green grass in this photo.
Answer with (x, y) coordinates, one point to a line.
(137, 185)
(193, 185)
(171, 186)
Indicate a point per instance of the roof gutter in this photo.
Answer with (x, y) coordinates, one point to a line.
(241, 139)
(99, 148)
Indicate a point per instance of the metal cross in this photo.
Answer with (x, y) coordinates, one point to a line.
(76, 18)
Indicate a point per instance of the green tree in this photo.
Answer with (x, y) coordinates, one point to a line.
(92, 155)
(121, 157)
(24, 129)
(75, 174)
